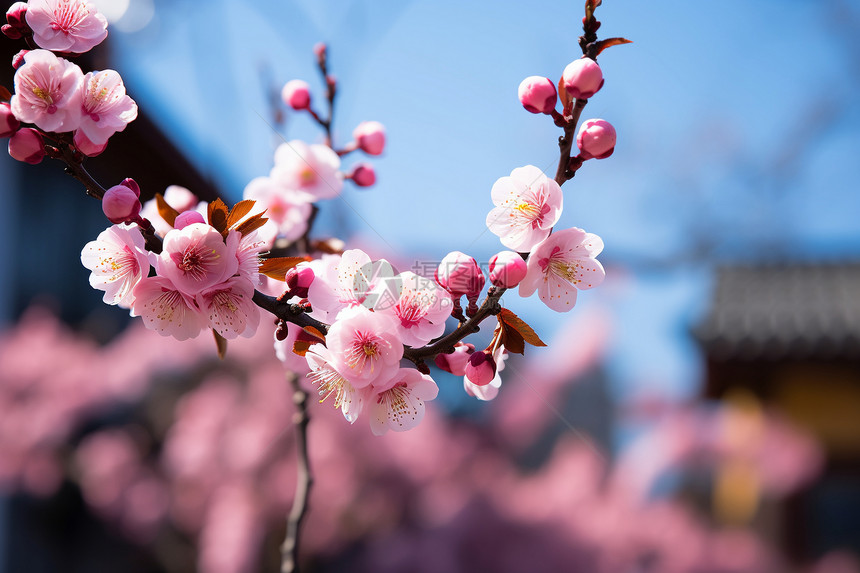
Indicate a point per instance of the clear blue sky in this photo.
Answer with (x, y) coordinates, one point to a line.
(737, 133)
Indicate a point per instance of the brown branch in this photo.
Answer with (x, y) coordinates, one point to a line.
(304, 481)
(286, 311)
(565, 143)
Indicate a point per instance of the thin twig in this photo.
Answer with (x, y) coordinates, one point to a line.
(304, 480)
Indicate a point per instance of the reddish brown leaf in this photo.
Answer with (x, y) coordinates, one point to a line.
(167, 212)
(329, 246)
(314, 332)
(251, 224)
(218, 215)
(566, 100)
(277, 267)
(4, 94)
(238, 211)
(514, 322)
(300, 347)
(307, 338)
(608, 43)
(221, 344)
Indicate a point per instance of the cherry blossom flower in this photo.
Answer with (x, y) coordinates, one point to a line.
(229, 307)
(400, 406)
(325, 373)
(419, 305)
(166, 309)
(66, 25)
(248, 254)
(311, 170)
(288, 210)
(48, 92)
(367, 344)
(528, 204)
(344, 281)
(117, 260)
(195, 258)
(487, 392)
(177, 197)
(561, 265)
(106, 109)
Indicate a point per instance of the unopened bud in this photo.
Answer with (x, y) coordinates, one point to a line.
(87, 147)
(459, 274)
(121, 205)
(8, 124)
(27, 145)
(596, 139)
(538, 94)
(507, 269)
(187, 218)
(363, 175)
(131, 184)
(370, 137)
(17, 26)
(456, 361)
(582, 78)
(299, 279)
(296, 94)
(481, 368)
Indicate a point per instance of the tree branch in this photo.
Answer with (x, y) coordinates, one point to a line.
(304, 480)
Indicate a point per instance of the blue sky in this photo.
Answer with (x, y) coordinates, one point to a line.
(737, 133)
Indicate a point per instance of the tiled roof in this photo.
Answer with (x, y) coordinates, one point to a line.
(784, 311)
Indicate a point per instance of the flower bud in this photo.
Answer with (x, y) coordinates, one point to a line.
(596, 139)
(121, 205)
(459, 274)
(582, 78)
(538, 94)
(363, 175)
(456, 361)
(370, 137)
(8, 124)
(18, 59)
(87, 147)
(16, 16)
(26, 145)
(299, 279)
(507, 269)
(187, 218)
(131, 184)
(320, 49)
(296, 94)
(481, 368)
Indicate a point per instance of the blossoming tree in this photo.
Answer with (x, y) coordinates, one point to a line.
(360, 330)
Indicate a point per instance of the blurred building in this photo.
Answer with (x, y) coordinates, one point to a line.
(788, 338)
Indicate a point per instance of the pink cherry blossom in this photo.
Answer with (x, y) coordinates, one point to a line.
(289, 210)
(177, 197)
(121, 204)
(167, 310)
(284, 352)
(561, 265)
(370, 137)
(248, 254)
(66, 25)
(310, 170)
(456, 361)
(419, 305)
(528, 204)
(344, 281)
(325, 373)
(367, 344)
(105, 107)
(117, 261)
(487, 392)
(87, 147)
(400, 406)
(195, 258)
(538, 94)
(229, 307)
(507, 269)
(48, 92)
(296, 94)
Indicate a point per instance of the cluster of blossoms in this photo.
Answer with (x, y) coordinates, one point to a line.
(52, 94)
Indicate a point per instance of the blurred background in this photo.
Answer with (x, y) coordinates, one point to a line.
(699, 412)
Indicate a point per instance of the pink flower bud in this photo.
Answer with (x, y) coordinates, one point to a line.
(131, 184)
(363, 175)
(121, 205)
(299, 280)
(582, 78)
(18, 59)
(87, 147)
(456, 362)
(26, 145)
(460, 275)
(538, 94)
(16, 16)
(481, 368)
(370, 137)
(8, 124)
(187, 218)
(320, 49)
(596, 139)
(507, 269)
(297, 94)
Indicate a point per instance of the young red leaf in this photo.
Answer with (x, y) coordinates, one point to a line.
(566, 100)
(514, 322)
(238, 211)
(4, 94)
(251, 224)
(608, 43)
(167, 212)
(277, 267)
(306, 338)
(218, 215)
